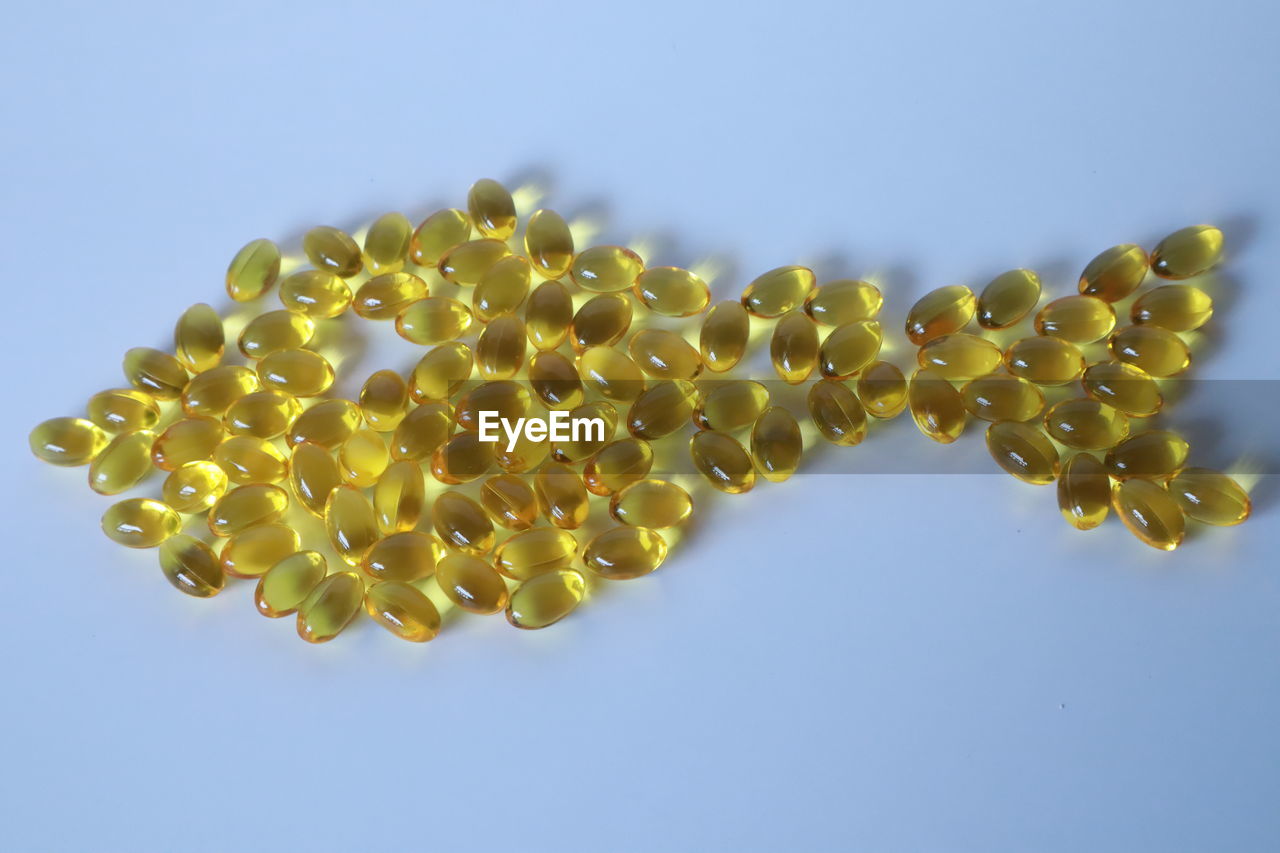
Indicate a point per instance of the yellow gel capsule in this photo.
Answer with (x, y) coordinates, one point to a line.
(554, 380)
(848, 349)
(362, 458)
(399, 496)
(433, 320)
(466, 263)
(328, 423)
(778, 291)
(1210, 497)
(299, 372)
(191, 566)
(1079, 319)
(140, 522)
(503, 397)
(437, 234)
(651, 503)
(546, 599)
(837, 413)
(384, 296)
(839, 303)
(461, 459)
(1152, 349)
(386, 245)
(123, 409)
(247, 459)
(535, 552)
(330, 607)
(1187, 252)
(561, 496)
(247, 506)
(510, 501)
(585, 437)
(623, 553)
(1084, 492)
(1124, 387)
(1024, 451)
(661, 409)
(159, 374)
(724, 462)
(728, 406)
(617, 465)
(67, 441)
(500, 347)
(213, 392)
(936, 406)
(1150, 513)
(1086, 424)
(471, 583)
(725, 333)
(313, 475)
(672, 291)
(1153, 454)
(332, 250)
(605, 269)
(123, 463)
(254, 550)
(315, 293)
(403, 610)
(1001, 397)
(194, 487)
(602, 321)
(1044, 361)
(405, 556)
(384, 400)
(776, 444)
(1176, 307)
(441, 372)
(526, 455)
(253, 270)
(275, 331)
(549, 244)
(939, 312)
(663, 354)
(423, 430)
(350, 523)
(793, 349)
(1115, 273)
(288, 583)
(198, 339)
(548, 314)
(959, 356)
(186, 440)
(882, 389)
(610, 373)
(492, 209)
(1008, 298)
(503, 289)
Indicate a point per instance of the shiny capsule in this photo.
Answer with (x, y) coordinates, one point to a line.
(288, 583)
(535, 552)
(386, 245)
(466, 263)
(1124, 387)
(405, 556)
(725, 333)
(548, 244)
(384, 400)
(1115, 273)
(500, 349)
(1044, 361)
(776, 444)
(1024, 451)
(724, 462)
(1150, 513)
(848, 349)
(605, 269)
(384, 296)
(503, 289)
(332, 250)
(313, 474)
(554, 381)
(1086, 424)
(504, 398)
(159, 374)
(663, 354)
(399, 496)
(1152, 454)
(510, 501)
(623, 553)
(1187, 252)
(191, 566)
(661, 409)
(433, 320)
(423, 430)
(123, 409)
(610, 373)
(617, 465)
(253, 270)
(1176, 307)
(461, 459)
(213, 392)
(940, 312)
(793, 348)
(544, 600)
(315, 293)
(194, 487)
(186, 440)
(526, 455)
(274, 331)
(651, 503)
(1079, 319)
(728, 406)
(491, 209)
(1154, 350)
(959, 356)
(561, 496)
(350, 523)
(327, 423)
(586, 437)
(602, 321)
(1084, 492)
(198, 339)
(254, 550)
(936, 406)
(882, 389)
(437, 234)
(548, 314)
(247, 506)
(1002, 397)
(330, 607)
(299, 372)
(778, 291)
(123, 463)
(403, 610)
(140, 522)
(362, 458)
(837, 413)
(672, 291)
(471, 583)
(67, 441)
(1008, 298)
(838, 303)
(1210, 497)
(441, 372)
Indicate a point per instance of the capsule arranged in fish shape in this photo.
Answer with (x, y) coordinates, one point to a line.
(547, 315)
(194, 487)
(247, 459)
(731, 405)
(1156, 351)
(1115, 273)
(725, 333)
(441, 372)
(273, 331)
(437, 234)
(433, 320)
(959, 356)
(123, 409)
(939, 312)
(407, 555)
(618, 465)
(186, 440)
(423, 431)
(602, 321)
(332, 250)
(253, 551)
(299, 372)
(850, 348)
(466, 264)
(491, 209)
(1044, 361)
(198, 338)
(191, 566)
(253, 270)
(399, 497)
(157, 373)
(140, 522)
(1124, 387)
(672, 291)
(213, 392)
(1187, 252)
(1003, 397)
(722, 461)
(1084, 491)
(386, 245)
(838, 303)
(623, 553)
(1008, 298)
(561, 495)
(1176, 307)
(548, 243)
(384, 296)
(793, 349)
(1086, 424)
(501, 347)
(247, 506)
(67, 441)
(503, 289)
(288, 583)
(606, 269)
(510, 501)
(837, 413)
(661, 409)
(330, 607)
(882, 389)
(663, 354)
(1210, 497)
(1079, 319)
(776, 444)
(1150, 513)
(651, 503)
(463, 524)
(471, 583)
(544, 600)
(936, 406)
(362, 458)
(1024, 451)
(403, 610)
(610, 373)
(1154, 454)
(535, 552)
(778, 291)
(328, 423)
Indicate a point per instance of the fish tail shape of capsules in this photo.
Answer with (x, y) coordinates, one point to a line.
(425, 519)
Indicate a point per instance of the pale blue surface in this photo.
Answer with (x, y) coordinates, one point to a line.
(887, 663)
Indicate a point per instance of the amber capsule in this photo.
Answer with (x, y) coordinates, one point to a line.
(1001, 397)
(123, 409)
(561, 496)
(462, 523)
(386, 245)
(1150, 513)
(441, 372)
(501, 347)
(1084, 491)
(623, 553)
(424, 429)
(362, 458)
(778, 291)
(67, 441)
(1008, 298)
(288, 583)
(663, 354)
(123, 463)
(651, 503)
(198, 339)
(728, 406)
(1044, 361)
(1079, 319)
(610, 373)
(327, 423)
(544, 600)
(461, 459)
(535, 552)
(384, 400)
(350, 523)
(837, 413)
(724, 462)
(724, 336)
(793, 349)
(159, 374)
(253, 270)
(548, 314)
(602, 321)
(1123, 387)
(274, 331)
(661, 409)
(186, 440)
(409, 555)
(194, 487)
(213, 392)
(332, 250)
(554, 380)
(617, 465)
(776, 444)
(936, 406)
(959, 356)
(403, 610)
(526, 455)
(1115, 273)
(315, 293)
(471, 583)
(254, 550)
(510, 501)
(1157, 351)
(247, 506)
(247, 459)
(1210, 497)
(1024, 451)
(882, 389)
(299, 372)
(191, 566)
(839, 303)
(1187, 252)
(466, 263)
(492, 209)
(1152, 454)
(504, 398)
(586, 438)
(941, 311)
(313, 474)
(384, 296)
(549, 244)
(1086, 424)
(399, 496)
(503, 289)
(848, 349)
(672, 291)
(1176, 307)
(437, 234)
(140, 522)
(433, 320)
(330, 607)
(605, 269)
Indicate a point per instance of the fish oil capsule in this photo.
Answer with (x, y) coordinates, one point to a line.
(463, 524)
(724, 336)
(198, 339)
(730, 406)
(330, 607)
(186, 440)
(793, 349)
(1001, 397)
(1152, 349)
(503, 397)
(140, 522)
(549, 244)
(663, 354)
(610, 373)
(546, 599)
(778, 291)
(510, 501)
(1187, 252)
(651, 503)
(535, 552)
(672, 291)
(724, 463)
(433, 320)
(328, 423)
(1176, 307)
(1086, 424)
(362, 458)
(384, 400)
(386, 245)
(936, 406)
(399, 496)
(466, 263)
(461, 459)
(441, 372)
(194, 487)
(313, 474)
(403, 610)
(405, 556)
(315, 293)
(1150, 513)
(524, 456)
(1115, 273)
(159, 374)
(299, 372)
(288, 583)
(1024, 451)
(253, 270)
(384, 296)
(191, 566)
(503, 289)
(959, 356)
(500, 347)
(247, 506)
(837, 413)
(1044, 361)
(1084, 492)
(548, 314)
(882, 389)
(123, 463)
(602, 321)
(776, 444)
(1152, 454)
(554, 380)
(491, 209)
(275, 331)
(587, 440)
(123, 409)
(67, 441)
(939, 312)
(424, 429)
(471, 583)
(1210, 497)
(839, 303)
(1079, 319)
(623, 553)
(1008, 298)
(661, 409)
(617, 465)
(350, 523)
(437, 234)
(1123, 387)
(254, 550)
(561, 496)
(605, 269)
(332, 250)
(213, 392)
(848, 349)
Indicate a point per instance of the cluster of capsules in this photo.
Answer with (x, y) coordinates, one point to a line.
(421, 516)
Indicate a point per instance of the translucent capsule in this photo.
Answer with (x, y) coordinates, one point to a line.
(728, 406)
(253, 270)
(191, 566)
(1157, 351)
(247, 459)
(839, 303)
(194, 487)
(466, 263)
(441, 372)
(1044, 361)
(554, 380)
(617, 465)
(549, 244)
(651, 503)
(602, 321)
(123, 463)
(405, 556)
(1187, 252)
(561, 496)
(1155, 454)
(299, 372)
(424, 429)
(776, 444)
(837, 413)
(936, 406)
(1001, 397)
(510, 501)
(315, 293)
(793, 349)
(362, 458)
(332, 250)
(548, 314)
(848, 349)
(1176, 307)
(313, 475)
(1124, 387)
(535, 552)
(350, 523)
(198, 339)
(254, 550)
(501, 347)
(327, 423)
(123, 409)
(882, 389)
(330, 607)
(1024, 451)
(186, 440)
(778, 291)
(491, 209)
(288, 583)
(724, 462)
(503, 397)
(1084, 491)
(526, 455)
(940, 312)
(587, 439)
(1150, 513)
(384, 400)
(159, 374)
(1079, 319)
(503, 289)
(661, 409)
(384, 296)
(725, 333)
(1210, 497)
(275, 331)
(213, 392)
(610, 373)
(399, 496)
(471, 583)
(623, 553)
(386, 245)
(140, 522)
(67, 441)
(461, 459)
(1086, 424)
(959, 356)
(437, 234)
(433, 320)
(663, 354)
(247, 506)
(1115, 273)
(605, 269)
(672, 291)
(544, 600)
(1008, 298)
(403, 610)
